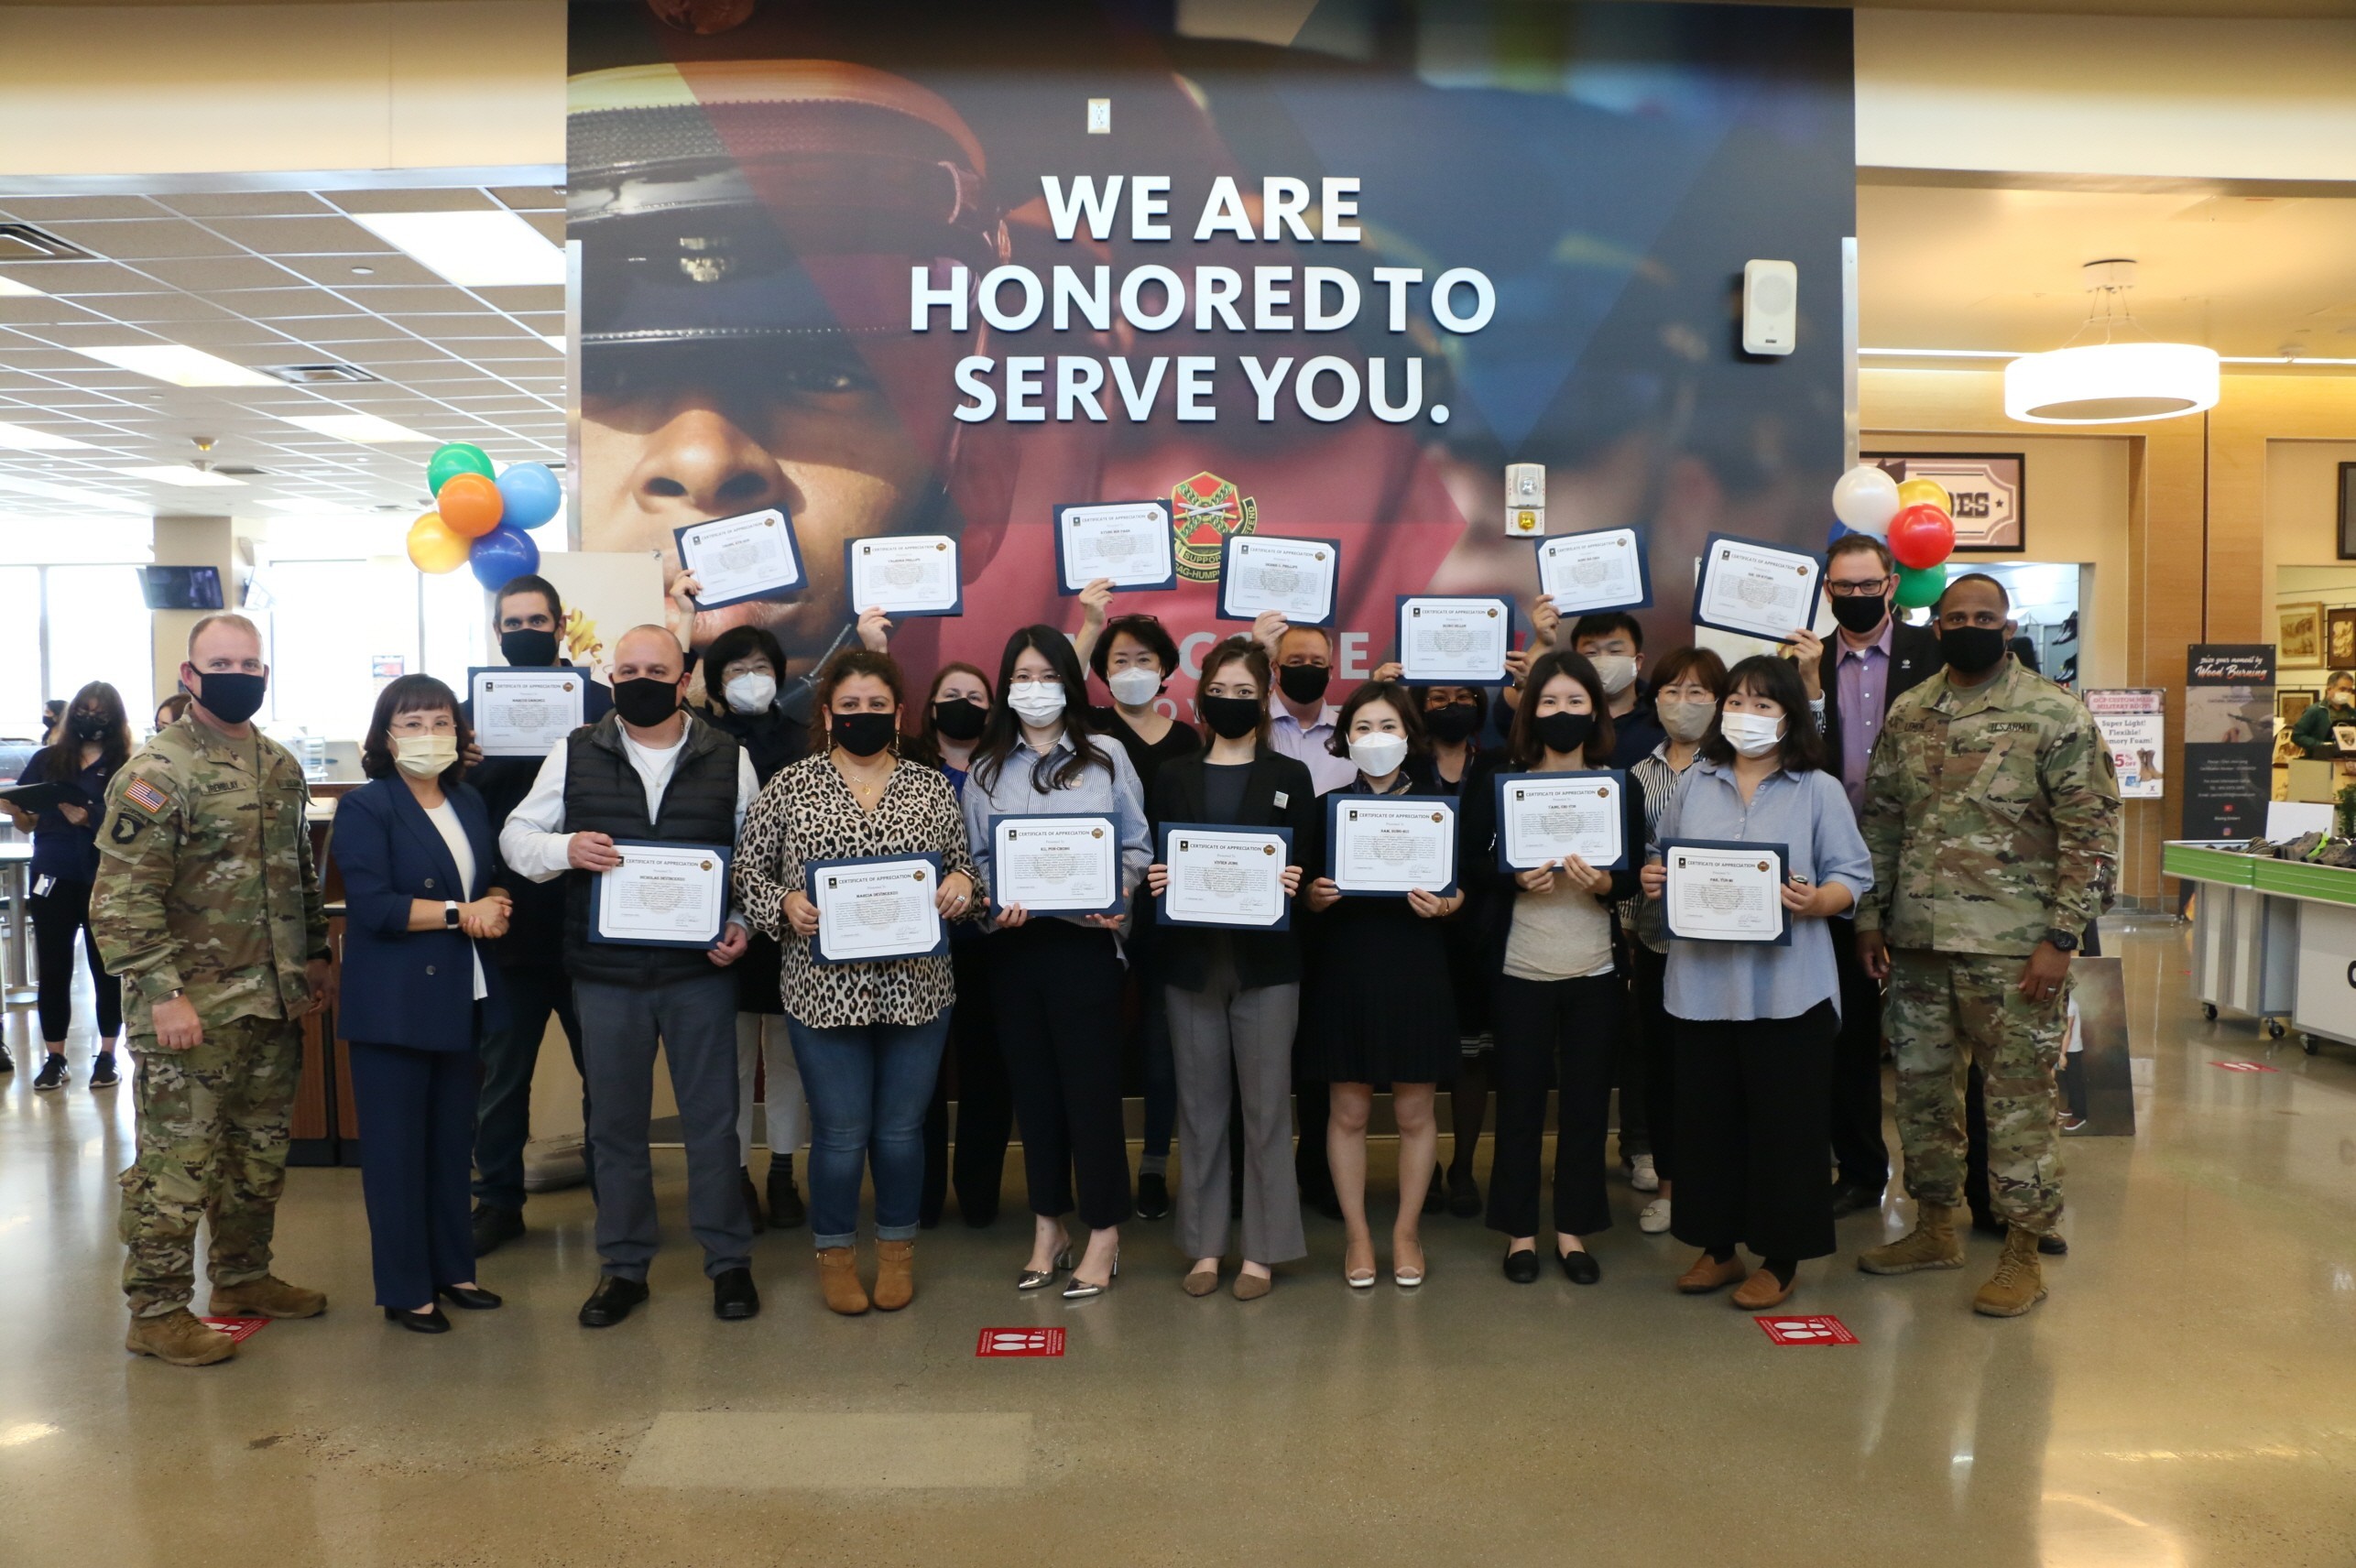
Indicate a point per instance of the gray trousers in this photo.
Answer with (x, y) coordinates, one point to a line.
(696, 1019)
(1213, 1031)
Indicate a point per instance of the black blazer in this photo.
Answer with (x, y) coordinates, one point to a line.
(400, 986)
(1261, 958)
(1492, 890)
(1913, 659)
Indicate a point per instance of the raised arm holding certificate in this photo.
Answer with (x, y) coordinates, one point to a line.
(524, 712)
(1542, 817)
(1294, 577)
(736, 558)
(1057, 865)
(1126, 543)
(1391, 844)
(661, 895)
(913, 574)
(1757, 589)
(1224, 877)
(876, 907)
(1725, 890)
(1453, 642)
(1606, 570)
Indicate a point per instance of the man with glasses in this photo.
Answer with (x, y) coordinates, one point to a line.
(1992, 813)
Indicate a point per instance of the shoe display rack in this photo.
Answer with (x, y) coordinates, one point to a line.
(2272, 939)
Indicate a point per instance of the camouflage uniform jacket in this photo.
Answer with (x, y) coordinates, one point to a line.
(205, 876)
(1992, 816)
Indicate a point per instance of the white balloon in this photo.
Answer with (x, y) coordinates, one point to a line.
(1866, 498)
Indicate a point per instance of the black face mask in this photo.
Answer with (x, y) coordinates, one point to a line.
(1232, 717)
(1566, 732)
(1304, 682)
(229, 697)
(1453, 723)
(645, 702)
(861, 734)
(959, 719)
(1859, 615)
(90, 727)
(528, 649)
(1971, 651)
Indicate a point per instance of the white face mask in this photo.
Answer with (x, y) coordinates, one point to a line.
(1134, 686)
(1685, 721)
(1036, 702)
(1378, 755)
(1754, 735)
(751, 693)
(425, 755)
(1616, 670)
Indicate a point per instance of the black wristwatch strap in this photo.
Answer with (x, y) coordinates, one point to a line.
(2062, 941)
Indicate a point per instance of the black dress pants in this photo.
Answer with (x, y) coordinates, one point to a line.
(1652, 1024)
(1567, 1031)
(61, 915)
(985, 1105)
(1057, 987)
(1858, 1149)
(1751, 1094)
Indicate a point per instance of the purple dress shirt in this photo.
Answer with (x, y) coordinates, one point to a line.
(1862, 680)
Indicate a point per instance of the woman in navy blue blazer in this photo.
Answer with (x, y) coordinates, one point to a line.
(415, 851)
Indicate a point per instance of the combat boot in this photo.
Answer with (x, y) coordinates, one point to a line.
(267, 1297)
(179, 1339)
(2018, 1282)
(1931, 1244)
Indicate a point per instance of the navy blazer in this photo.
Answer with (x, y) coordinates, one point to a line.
(400, 986)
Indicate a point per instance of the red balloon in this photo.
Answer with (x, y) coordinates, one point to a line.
(1921, 537)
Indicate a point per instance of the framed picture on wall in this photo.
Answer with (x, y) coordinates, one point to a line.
(2298, 637)
(2339, 639)
(1989, 491)
(2290, 702)
(2348, 511)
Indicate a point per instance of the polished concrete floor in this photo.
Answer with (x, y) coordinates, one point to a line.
(2186, 1397)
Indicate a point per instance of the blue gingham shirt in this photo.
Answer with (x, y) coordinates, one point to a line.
(1094, 792)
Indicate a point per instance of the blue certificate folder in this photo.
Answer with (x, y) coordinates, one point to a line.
(1173, 832)
(1340, 801)
(813, 870)
(723, 857)
(1106, 826)
(785, 521)
(1619, 800)
(1783, 863)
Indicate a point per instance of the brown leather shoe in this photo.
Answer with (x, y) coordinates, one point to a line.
(1251, 1286)
(838, 1280)
(1707, 1274)
(895, 1275)
(267, 1297)
(1762, 1290)
(1200, 1282)
(179, 1338)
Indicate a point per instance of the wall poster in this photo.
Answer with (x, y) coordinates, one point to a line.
(2229, 738)
(2134, 721)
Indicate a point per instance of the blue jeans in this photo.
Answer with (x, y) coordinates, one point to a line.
(867, 1087)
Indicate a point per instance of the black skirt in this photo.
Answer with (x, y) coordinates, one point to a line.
(1378, 1004)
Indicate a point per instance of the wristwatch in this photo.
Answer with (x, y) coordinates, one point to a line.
(2062, 941)
(450, 914)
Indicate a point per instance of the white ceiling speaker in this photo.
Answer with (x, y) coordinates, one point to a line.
(2110, 383)
(1771, 307)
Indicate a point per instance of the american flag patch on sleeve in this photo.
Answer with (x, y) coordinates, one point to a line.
(146, 796)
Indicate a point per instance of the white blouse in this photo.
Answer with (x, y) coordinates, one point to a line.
(445, 822)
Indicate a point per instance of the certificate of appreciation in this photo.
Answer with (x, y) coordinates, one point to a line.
(736, 558)
(907, 574)
(661, 895)
(1759, 590)
(1056, 866)
(1723, 890)
(1392, 845)
(1543, 817)
(523, 713)
(1128, 542)
(1224, 877)
(877, 907)
(1453, 642)
(1601, 570)
(1294, 577)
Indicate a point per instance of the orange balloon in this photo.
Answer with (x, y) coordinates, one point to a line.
(435, 546)
(470, 504)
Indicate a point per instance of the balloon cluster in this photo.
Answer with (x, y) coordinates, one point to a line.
(1915, 519)
(479, 519)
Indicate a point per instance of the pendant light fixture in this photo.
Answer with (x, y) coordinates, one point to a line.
(2111, 382)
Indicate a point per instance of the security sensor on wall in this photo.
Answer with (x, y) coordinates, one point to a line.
(1525, 500)
(1771, 307)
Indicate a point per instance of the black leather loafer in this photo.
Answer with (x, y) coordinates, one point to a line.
(419, 1323)
(1521, 1266)
(733, 1296)
(468, 1298)
(1581, 1269)
(614, 1300)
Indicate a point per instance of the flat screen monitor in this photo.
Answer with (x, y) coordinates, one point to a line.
(181, 587)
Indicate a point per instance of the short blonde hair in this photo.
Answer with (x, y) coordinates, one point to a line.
(221, 618)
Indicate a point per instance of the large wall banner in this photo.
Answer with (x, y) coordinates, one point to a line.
(1297, 269)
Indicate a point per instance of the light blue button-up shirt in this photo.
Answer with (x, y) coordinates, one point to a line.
(1094, 792)
(1808, 814)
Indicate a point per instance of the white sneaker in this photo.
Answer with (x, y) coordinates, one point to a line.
(1642, 1176)
(1656, 1217)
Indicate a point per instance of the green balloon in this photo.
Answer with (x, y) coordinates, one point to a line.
(458, 457)
(1920, 586)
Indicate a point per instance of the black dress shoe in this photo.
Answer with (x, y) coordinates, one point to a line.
(431, 1322)
(1464, 1195)
(752, 1197)
(1985, 1223)
(468, 1298)
(7, 1062)
(614, 1300)
(1581, 1269)
(1436, 1196)
(981, 1212)
(1153, 1195)
(733, 1296)
(494, 1228)
(1521, 1266)
(785, 1206)
(2052, 1247)
(1852, 1198)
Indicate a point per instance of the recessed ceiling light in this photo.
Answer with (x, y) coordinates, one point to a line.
(24, 439)
(11, 290)
(81, 497)
(178, 365)
(173, 473)
(365, 427)
(473, 250)
(554, 340)
(363, 272)
(311, 506)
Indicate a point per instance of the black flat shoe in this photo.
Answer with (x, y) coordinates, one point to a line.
(786, 1210)
(468, 1298)
(614, 1300)
(733, 1296)
(1521, 1266)
(431, 1322)
(1464, 1195)
(1581, 1269)
(1153, 1196)
(7, 1062)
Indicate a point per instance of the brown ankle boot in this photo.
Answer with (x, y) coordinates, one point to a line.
(895, 1275)
(180, 1338)
(1931, 1244)
(2018, 1282)
(267, 1297)
(838, 1280)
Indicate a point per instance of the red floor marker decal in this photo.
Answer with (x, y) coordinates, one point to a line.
(239, 1330)
(2245, 1067)
(1806, 1331)
(1020, 1341)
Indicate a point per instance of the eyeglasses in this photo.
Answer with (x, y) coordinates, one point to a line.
(1868, 588)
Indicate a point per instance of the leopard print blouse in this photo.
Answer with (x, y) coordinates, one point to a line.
(807, 812)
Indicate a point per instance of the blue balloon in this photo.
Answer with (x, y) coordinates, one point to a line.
(502, 555)
(531, 493)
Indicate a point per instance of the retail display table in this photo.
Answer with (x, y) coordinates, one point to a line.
(2271, 937)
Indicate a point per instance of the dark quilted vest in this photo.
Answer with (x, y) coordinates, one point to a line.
(603, 793)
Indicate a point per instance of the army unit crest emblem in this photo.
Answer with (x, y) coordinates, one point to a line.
(1204, 512)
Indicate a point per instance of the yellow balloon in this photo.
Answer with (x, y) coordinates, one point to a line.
(435, 546)
(1924, 492)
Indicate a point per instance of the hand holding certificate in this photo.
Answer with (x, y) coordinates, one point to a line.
(912, 574)
(1126, 543)
(876, 907)
(1057, 865)
(1757, 589)
(1583, 573)
(1224, 877)
(1544, 818)
(1294, 577)
(660, 895)
(523, 713)
(1393, 844)
(1724, 891)
(1450, 642)
(736, 558)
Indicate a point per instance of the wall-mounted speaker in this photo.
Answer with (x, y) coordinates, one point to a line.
(1771, 307)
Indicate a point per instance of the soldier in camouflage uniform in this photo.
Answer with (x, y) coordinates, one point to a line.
(1993, 812)
(207, 906)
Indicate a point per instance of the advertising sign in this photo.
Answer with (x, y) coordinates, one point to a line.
(2229, 738)
(2134, 721)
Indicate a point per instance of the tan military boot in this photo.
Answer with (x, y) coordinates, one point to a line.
(1931, 1244)
(2018, 1282)
(267, 1297)
(895, 1275)
(179, 1338)
(838, 1280)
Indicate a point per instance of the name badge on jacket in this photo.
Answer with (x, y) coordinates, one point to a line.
(1282, 799)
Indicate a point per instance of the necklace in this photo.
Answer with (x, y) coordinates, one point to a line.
(866, 785)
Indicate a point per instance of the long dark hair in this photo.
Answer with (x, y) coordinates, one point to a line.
(1778, 680)
(65, 751)
(1523, 746)
(1004, 731)
(412, 694)
(923, 743)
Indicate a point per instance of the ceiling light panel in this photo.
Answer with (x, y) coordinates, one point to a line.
(473, 250)
(367, 428)
(194, 478)
(176, 365)
(22, 437)
(14, 288)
